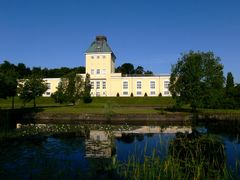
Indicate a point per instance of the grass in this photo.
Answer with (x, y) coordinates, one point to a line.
(118, 105)
(122, 105)
(188, 158)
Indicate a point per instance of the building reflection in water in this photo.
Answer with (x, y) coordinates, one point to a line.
(101, 144)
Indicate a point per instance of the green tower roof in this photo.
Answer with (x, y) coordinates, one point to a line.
(100, 45)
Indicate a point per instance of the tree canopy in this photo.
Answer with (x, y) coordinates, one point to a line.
(197, 79)
(70, 89)
(128, 68)
(31, 88)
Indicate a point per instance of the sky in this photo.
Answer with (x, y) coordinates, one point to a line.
(149, 33)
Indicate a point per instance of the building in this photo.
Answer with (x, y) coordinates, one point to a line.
(100, 64)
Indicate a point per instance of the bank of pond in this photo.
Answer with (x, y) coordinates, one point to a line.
(199, 150)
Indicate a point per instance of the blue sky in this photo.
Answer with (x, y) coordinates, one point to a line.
(150, 33)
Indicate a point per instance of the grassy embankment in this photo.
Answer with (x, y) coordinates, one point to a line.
(100, 105)
(121, 105)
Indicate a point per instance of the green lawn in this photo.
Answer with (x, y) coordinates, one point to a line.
(123, 105)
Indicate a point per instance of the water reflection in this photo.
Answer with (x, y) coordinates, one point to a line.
(87, 149)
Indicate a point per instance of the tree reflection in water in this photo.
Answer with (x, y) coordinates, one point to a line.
(197, 153)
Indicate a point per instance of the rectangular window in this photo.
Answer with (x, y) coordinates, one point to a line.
(125, 85)
(139, 85)
(48, 85)
(166, 92)
(125, 93)
(98, 85)
(104, 84)
(48, 93)
(103, 71)
(166, 84)
(98, 71)
(152, 84)
(139, 93)
(97, 93)
(92, 85)
(152, 93)
(92, 71)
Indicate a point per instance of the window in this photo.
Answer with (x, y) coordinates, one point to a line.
(166, 84)
(166, 92)
(48, 93)
(125, 93)
(139, 85)
(97, 93)
(92, 85)
(104, 93)
(139, 93)
(152, 84)
(104, 84)
(92, 57)
(98, 85)
(92, 71)
(103, 56)
(97, 57)
(103, 71)
(125, 85)
(98, 71)
(152, 93)
(48, 85)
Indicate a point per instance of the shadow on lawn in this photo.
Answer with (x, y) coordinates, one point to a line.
(10, 117)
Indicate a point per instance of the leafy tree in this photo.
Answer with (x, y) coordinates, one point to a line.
(148, 72)
(70, 89)
(230, 85)
(8, 80)
(139, 70)
(87, 89)
(29, 89)
(23, 71)
(197, 79)
(127, 68)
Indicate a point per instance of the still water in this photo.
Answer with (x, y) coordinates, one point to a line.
(84, 151)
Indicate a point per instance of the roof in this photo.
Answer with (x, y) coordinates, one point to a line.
(100, 45)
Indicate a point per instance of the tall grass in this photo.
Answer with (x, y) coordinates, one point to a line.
(194, 158)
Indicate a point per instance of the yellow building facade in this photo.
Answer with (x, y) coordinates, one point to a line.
(100, 64)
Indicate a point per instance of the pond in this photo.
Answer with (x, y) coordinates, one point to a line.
(50, 151)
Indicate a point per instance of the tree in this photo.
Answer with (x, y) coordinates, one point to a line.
(29, 89)
(23, 71)
(8, 80)
(148, 72)
(139, 70)
(229, 84)
(87, 89)
(127, 68)
(197, 79)
(71, 89)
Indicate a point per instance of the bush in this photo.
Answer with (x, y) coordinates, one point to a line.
(160, 95)
(145, 95)
(87, 99)
(131, 94)
(118, 95)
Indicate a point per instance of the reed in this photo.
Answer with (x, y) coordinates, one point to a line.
(188, 158)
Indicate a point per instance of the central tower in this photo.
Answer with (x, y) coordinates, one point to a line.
(100, 64)
(100, 59)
